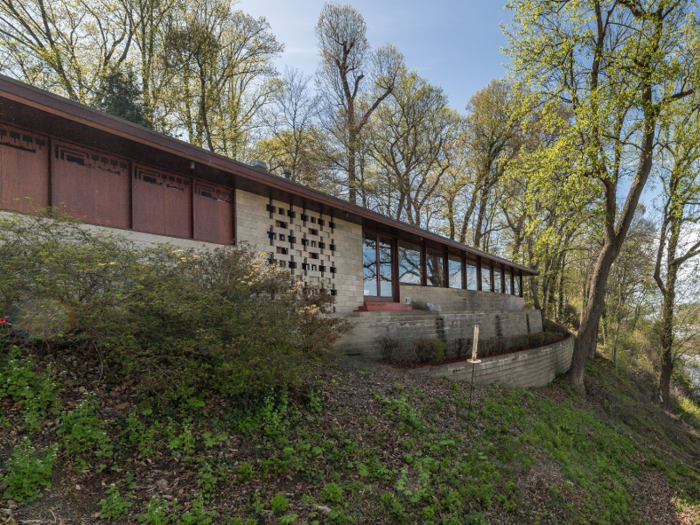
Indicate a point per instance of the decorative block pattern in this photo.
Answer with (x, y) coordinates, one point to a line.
(320, 255)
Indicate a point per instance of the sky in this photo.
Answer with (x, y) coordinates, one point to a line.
(453, 43)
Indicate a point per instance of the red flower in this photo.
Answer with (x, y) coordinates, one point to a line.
(3, 320)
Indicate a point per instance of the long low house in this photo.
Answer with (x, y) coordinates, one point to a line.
(389, 278)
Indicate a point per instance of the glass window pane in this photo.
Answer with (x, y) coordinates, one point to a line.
(471, 276)
(369, 265)
(455, 272)
(410, 270)
(516, 290)
(436, 269)
(385, 268)
(485, 276)
(509, 289)
(497, 283)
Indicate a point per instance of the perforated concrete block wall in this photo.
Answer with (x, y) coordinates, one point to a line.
(323, 256)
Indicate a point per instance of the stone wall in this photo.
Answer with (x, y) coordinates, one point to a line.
(254, 222)
(368, 327)
(455, 299)
(529, 368)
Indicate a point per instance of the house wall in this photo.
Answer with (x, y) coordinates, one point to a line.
(454, 299)
(369, 327)
(529, 368)
(254, 221)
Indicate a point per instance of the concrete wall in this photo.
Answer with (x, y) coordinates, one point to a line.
(368, 327)
(253, 223)
(454, 299)
(529, 368)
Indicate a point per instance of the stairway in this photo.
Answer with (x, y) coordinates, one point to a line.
(384, 307)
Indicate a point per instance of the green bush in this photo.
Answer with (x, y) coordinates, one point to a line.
(427, 350)
(499, 345)
(28, 471)
(174, 322)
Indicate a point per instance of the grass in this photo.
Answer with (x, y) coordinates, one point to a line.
(356, 444)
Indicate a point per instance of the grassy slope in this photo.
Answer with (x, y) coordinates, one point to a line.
(359, 444)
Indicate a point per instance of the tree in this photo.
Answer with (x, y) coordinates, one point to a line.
(350, 71)
(492, 141)
(221, 68)
(119, 95)
(411, 140)
(678, 239)
(292, 139)
(66, 46)
(619, 66)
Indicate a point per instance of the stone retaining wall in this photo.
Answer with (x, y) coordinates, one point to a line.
(368, 327)
(456, 299)
(529, 368)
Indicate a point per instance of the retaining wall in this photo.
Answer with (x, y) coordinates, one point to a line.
(368, 327)
(455, 299)
(529, 368)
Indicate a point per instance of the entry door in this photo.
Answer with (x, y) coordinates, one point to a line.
(378, 254)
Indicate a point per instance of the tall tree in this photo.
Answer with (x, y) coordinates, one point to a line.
(678, 237)
(413, 134)
(292, 138)
(222, 73)
(66, 46)
(120, 95)
(619, 66)
(350, 71)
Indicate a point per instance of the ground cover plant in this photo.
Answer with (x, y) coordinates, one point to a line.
(354, 443)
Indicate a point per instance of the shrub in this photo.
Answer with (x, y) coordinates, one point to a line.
(388, 348)
(28, 471)
(462, 347)
(426, 350)
(174, 322)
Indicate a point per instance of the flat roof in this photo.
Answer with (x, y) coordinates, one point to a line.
(44, 112)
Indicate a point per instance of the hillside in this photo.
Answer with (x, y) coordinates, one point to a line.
(359, 443)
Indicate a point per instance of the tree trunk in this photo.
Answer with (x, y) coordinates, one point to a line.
(587, 340)
(665, 379)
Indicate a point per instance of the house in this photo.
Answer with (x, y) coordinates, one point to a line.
(389, 278)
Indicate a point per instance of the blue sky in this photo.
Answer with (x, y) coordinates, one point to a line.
(452, 43)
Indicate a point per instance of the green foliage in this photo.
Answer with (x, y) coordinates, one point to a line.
(81, 431)
(332, 493)
(279, 504)
(114, 505)
(156, 513)
(226, 322)
(22, 383)
(428, 350)
(28, 471)
(119, 94)
(244, 472)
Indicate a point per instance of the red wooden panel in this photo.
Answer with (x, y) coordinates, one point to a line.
(162, 202)
(24, 170)
(91, 186)
(213, 213)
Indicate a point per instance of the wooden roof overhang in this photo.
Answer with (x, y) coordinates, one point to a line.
(43, 112)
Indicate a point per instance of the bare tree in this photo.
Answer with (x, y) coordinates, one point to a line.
(350, 71)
